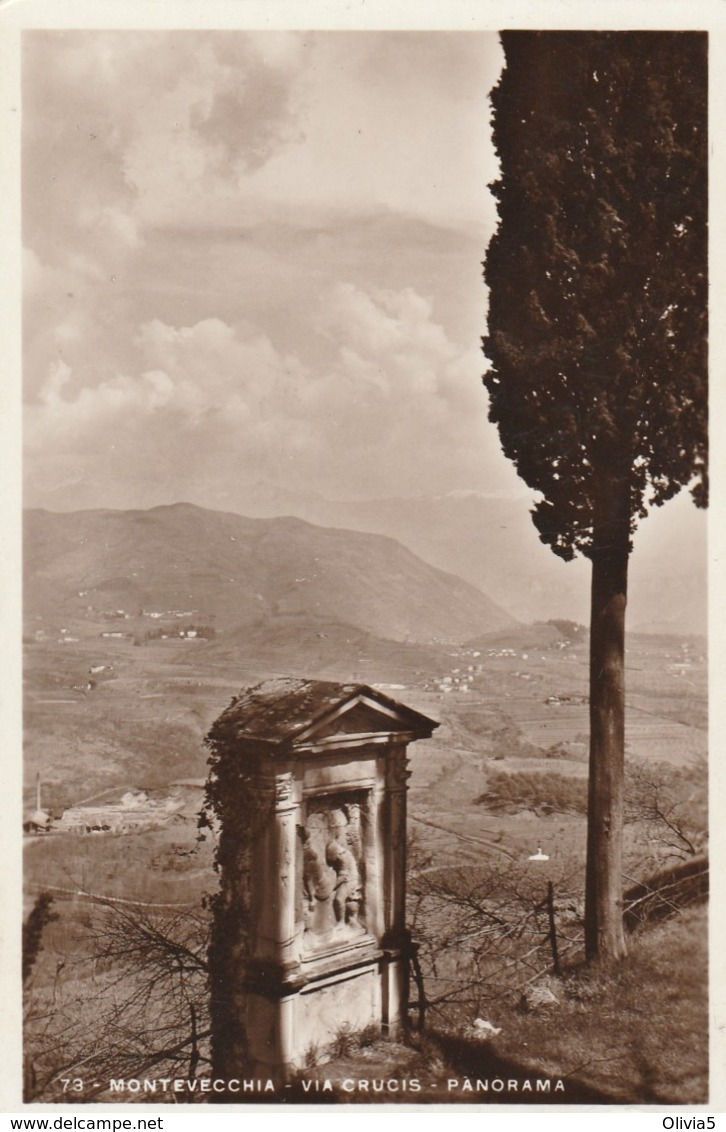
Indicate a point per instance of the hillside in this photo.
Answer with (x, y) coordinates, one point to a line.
(301, 644)
(491, 543)
(236, 571)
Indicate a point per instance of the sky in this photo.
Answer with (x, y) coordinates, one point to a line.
(256, 256)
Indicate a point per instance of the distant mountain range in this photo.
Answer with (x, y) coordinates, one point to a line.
(190, 554)
(491, 542)
(241, 571)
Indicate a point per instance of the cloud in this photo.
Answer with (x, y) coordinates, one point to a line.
(122, 132)
(127, 130)
(121, 128)
(254, 255)
(214, 404)
(395, 120)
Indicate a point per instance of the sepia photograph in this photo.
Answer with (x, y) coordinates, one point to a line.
(365, 414)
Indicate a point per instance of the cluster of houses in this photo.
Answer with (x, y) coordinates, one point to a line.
(130, 811)
(156, 614)
(66, 638)
(460, 679)
(133, 812)
(682, 663)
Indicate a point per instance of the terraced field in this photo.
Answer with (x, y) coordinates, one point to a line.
(510, 708)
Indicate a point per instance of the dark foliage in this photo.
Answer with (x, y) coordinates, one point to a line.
(597, 320)
(513, 791)
(571, 630)
(39, 917)
(230, 808)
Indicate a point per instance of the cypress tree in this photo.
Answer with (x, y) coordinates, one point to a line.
(597, 335)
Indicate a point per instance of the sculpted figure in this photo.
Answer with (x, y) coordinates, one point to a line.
(338, 854)
(318, 887)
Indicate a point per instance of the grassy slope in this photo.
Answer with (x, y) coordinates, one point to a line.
(638, 1031)
(633, 1034)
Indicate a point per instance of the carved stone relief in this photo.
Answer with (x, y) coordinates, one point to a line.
(283, 788)
(333, 870)
(397, 772)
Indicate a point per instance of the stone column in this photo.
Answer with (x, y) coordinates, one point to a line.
(396, 940)
(276, 942)
(397, 775)
(275, 958)
(372, 862)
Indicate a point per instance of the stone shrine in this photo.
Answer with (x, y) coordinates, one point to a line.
(308, 783)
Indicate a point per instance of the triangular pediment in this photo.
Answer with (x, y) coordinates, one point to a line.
(365, 714)
(358, 719)
(296, 713)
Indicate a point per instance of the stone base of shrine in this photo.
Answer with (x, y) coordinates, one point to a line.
(297, 1023)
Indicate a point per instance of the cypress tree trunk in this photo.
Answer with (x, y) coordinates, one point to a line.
(604, 938)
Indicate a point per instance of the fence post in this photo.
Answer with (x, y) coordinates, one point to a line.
(420, 1004)
(553, 928)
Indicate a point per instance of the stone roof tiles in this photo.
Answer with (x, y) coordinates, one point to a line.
(280, 709)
